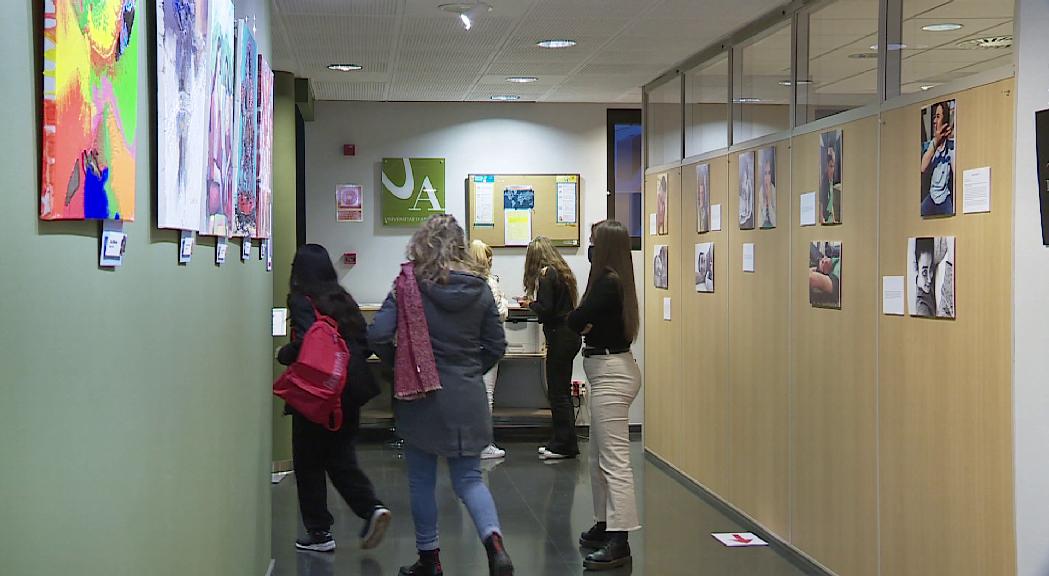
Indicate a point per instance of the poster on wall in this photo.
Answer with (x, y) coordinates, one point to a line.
(412, 190)
(767, 187)
(217, 207)
(246, 143)
(930, 276)
(830, 177)
(746, 191)
(825, 259)
(264, 196)
(938, 159)
(661, 266)
(349, 203)
(703, 198)
(1041, 119)
(705, 267)
(90, 109)
(182, 111)
(662, 229)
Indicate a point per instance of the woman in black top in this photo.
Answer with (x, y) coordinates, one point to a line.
(550, 290)
(608, 316)
(315, 449)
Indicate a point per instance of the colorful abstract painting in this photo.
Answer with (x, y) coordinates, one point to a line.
(246, 128)
(183, 27)
(217, 207)
(265, 189)
(90, 109)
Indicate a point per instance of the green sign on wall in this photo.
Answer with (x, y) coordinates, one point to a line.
(412, 190)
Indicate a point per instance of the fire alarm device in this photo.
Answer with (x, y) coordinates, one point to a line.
(349, 149)
(349, 259)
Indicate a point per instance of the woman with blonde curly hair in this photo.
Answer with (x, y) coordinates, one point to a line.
(483, 255)
(440, 328)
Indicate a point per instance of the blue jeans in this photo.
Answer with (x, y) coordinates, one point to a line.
(466, 478)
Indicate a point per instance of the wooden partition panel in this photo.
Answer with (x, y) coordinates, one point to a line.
(758, 356)
(945, 385)
(833, 433)
(704, 378)
(662, 338)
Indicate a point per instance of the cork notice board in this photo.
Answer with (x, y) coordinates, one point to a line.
(512, 209)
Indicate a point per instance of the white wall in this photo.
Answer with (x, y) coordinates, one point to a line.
(475, 138)
(1031, 307)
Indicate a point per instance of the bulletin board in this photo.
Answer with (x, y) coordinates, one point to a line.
(507, 210)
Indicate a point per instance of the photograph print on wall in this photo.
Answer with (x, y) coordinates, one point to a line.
(830, 177)
(705, 267)
(746, 191)
(930, 276)
(703, 198)
(825, 259)
(767, 187)
(661, 206)
(938, 159)
(661, 266)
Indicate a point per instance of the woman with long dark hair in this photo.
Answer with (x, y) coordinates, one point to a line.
(440, 329)
(550, 291)
(608, 317)
(316, 450)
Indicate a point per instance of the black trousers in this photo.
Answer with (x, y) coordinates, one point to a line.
(562, 345)
(317, 451)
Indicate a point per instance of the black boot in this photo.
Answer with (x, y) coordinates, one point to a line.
(595, 537)
(613, 554)
(428, 564)
(498, 560)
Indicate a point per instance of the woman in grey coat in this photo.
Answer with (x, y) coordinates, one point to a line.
(454, 422)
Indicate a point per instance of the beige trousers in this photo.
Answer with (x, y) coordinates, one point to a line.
(614, 383)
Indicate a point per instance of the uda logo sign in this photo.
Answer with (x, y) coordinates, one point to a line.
(412, 190)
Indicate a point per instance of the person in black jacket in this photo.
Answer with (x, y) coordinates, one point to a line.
(315, 449)
(550, 291)
(608, 316)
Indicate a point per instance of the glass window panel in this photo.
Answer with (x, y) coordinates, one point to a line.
(663, 124)
(762, 97)
(842, 59)
(936, 51)
(706, 106)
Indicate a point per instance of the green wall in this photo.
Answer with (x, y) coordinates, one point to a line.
(135, 423)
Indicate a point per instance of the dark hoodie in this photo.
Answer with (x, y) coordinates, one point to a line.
(467, 339)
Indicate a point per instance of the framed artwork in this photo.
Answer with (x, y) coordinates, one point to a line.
(830, 177)
(767, 187)
(746, 190)
(930, 276)
(90, 109)
(264, 227)
(661, 267)
(703, 198)
(705, 267)
(939, 154)
(246, 133)
(825, 274)
(219, 169)
(662, 229)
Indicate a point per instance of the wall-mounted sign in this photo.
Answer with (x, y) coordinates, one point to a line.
(412, 190)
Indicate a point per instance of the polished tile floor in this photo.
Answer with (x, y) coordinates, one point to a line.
(543, 507)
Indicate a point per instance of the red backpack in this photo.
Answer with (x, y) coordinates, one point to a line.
(313, 385)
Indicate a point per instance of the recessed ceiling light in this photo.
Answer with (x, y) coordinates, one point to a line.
(863, 55)
(944, 27)
(891, 46)
(562, 43)
(990, 42)
(521, 79)
(789, 83)
(505, 98)
(345, 67)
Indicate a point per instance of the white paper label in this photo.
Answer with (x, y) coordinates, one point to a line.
(651, 224)
(892, 295)
(566, 202)
(280, 321)
(748, 257)
(484, 209)
(808, 209)
(666, 308)
(715, 217)
(977, 185)
(220, 250)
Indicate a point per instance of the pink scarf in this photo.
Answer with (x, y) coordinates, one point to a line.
(414, 369)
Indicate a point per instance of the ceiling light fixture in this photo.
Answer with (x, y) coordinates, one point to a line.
(468, 12)
(989, 42)
(892, 47)
(563, 43)
(925, 87)
(505, 98)
(521, 79)
(345, 67)
(944, 27)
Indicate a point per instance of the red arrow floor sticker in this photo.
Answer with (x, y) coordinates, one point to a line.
(739, 539)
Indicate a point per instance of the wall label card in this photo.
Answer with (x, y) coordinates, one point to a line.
(651, 224)
(715, 217)
(748, 257)
(567, 192)
(280, 321)
(976, 184)
(114, 243)
(666, 308)
(892, 295)
(739, 539)
(808, 209)
(185, 251)
(484, 200)
(220, 250)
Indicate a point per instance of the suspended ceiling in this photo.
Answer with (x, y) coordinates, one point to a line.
(412, 51)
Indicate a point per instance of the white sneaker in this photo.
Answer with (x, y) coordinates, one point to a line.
(492, 452)
(548, 455)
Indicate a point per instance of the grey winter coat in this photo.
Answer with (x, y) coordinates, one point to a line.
(468, 340)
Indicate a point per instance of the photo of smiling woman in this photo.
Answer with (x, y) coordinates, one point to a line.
(938, 159)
